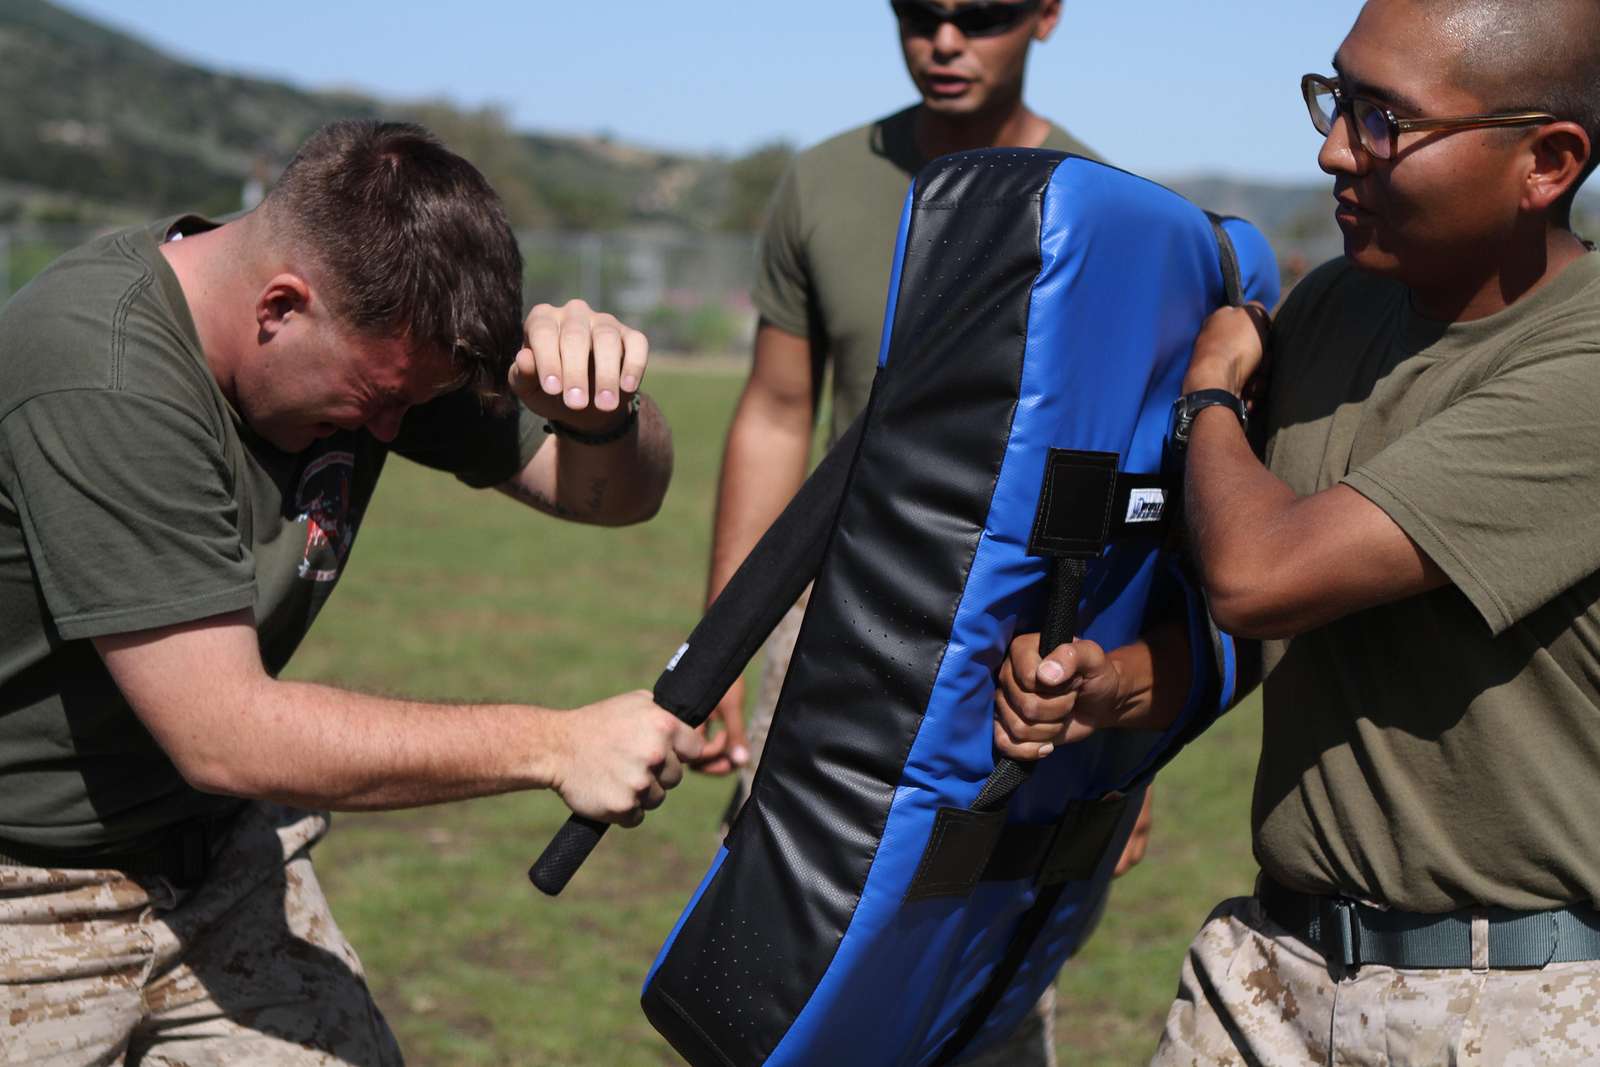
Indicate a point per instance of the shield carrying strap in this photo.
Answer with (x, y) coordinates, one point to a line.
(763, 588)
(1228, 259)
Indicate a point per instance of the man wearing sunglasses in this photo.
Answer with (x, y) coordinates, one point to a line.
(821, 284)
(1419, 557)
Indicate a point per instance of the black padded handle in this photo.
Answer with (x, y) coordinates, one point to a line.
(749, 607)
(1060, 627)
(565, 853)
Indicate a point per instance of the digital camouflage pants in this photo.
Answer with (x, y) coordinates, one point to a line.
(1251, 994)
(1032, 1044)
(97, 967)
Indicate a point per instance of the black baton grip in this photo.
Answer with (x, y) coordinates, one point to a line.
(1060, 627)
(565, 853)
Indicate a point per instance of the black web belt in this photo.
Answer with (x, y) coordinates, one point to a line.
(181, 854)
(1351, 933)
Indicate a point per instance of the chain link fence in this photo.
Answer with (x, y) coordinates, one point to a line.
(688, 291)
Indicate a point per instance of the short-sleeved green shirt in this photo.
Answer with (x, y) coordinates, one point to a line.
(1444, 751)
(133, 496)
(827, 250)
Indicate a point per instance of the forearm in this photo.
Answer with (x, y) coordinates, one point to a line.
(1236, 510)
(321, 747)
(762, 468)
(612, 484)
(1276, 564)
(200, 689)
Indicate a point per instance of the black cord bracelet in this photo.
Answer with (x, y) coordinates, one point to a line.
(604, 437)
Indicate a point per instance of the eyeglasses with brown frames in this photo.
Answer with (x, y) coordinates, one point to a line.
(1379, 129)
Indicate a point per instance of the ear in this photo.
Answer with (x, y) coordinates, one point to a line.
(284, 296)
(1558, 154)
(1049, 18)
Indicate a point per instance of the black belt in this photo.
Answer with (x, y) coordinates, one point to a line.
(1351, 933)
(180, 853)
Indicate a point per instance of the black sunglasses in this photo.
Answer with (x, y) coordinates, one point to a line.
(1379, 129)
(987, 18)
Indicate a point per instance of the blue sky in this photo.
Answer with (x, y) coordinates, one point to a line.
(1164, 87)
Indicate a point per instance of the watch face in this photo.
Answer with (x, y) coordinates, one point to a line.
(1178, 423)
(1186, 407)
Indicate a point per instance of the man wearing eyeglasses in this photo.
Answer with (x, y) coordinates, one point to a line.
(821, 283)
(1418, 556)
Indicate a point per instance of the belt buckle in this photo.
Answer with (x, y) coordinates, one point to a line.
(1346, 932)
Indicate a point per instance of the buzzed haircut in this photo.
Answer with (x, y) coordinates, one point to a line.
(1531, 55)
(411, 241)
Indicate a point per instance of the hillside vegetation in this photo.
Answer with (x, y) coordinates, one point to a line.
(96, 125)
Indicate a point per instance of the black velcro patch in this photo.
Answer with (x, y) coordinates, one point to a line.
(1086, 503)
(1075, 504)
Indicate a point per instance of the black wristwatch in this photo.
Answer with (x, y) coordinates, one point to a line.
(604, 437)
(1187, 406)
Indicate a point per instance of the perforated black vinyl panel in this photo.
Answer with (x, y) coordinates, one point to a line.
(879, 620)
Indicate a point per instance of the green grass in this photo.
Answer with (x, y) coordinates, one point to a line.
(462, 595)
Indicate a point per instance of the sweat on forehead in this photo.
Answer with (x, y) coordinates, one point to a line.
(1516, 53)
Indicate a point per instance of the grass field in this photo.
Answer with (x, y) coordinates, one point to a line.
(465, 596)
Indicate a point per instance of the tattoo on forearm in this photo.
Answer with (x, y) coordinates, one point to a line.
(597, 495)
(545, 503)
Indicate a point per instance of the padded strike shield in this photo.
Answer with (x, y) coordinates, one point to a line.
(866, 909)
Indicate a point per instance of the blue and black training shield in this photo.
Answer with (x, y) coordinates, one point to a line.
(891, 894)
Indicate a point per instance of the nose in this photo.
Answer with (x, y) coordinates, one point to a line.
(1340, 153)
(948, 40)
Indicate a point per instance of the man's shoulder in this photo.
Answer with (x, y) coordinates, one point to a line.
(88, 321)
(884, 140)
(1060, 139)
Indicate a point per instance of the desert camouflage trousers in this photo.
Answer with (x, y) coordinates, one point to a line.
(1251, 994)
(1032, 1044)
(248, 967)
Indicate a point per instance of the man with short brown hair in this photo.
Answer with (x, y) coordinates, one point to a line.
(195, 418)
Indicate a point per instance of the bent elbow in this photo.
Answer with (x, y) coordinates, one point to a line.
(643, 510)
(1254, 616)
(636, 511)
(1243, 603)
(208, 774)
(1238, 617)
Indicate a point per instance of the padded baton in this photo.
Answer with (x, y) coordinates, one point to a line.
(764, 587)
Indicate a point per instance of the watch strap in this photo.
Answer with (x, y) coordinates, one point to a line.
(1191, 404)
(602, 437)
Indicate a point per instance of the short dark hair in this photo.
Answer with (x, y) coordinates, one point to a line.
(1542, 56)
(412, 240)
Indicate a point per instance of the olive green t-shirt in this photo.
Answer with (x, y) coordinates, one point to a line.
(133, 496)
(828, 247)
(1444, 751)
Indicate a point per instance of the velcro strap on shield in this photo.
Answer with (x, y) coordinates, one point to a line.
(968, 847)
(1086, 503)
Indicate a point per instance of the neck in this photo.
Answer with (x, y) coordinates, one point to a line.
(1515, 275)
(1011, 126)
(216, 288)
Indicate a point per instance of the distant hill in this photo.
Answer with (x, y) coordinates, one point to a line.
(95, 125)
(98, 126)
